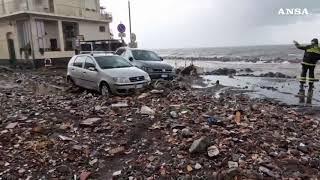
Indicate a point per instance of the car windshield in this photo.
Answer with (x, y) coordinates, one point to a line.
(109, 62)
(145, 55)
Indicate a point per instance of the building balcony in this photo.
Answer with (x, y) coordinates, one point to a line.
(9, 7)
(107, 16)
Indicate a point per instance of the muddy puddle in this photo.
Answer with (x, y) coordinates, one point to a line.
(282, 90)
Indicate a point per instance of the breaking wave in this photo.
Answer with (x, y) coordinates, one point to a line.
(254, 54)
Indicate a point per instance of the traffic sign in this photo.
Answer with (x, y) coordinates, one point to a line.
(121, 28)
(122, 35)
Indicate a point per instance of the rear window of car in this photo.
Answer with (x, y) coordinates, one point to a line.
(110, 62)
(78, 62)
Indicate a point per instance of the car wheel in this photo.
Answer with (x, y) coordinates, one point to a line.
(70, 81)
(104, 90)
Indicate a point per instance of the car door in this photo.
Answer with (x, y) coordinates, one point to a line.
(76, 70)
(90, 73)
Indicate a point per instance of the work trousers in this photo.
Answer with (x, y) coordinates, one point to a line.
(303, 78)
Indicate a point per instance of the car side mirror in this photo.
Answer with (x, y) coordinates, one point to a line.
(92, 69)
(161, 58)
(130, 58)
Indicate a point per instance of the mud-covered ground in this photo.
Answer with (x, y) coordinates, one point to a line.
(51, 131)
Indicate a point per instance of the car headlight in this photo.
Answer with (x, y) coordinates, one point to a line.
(121, 80)
(147, 78)
(146, 69)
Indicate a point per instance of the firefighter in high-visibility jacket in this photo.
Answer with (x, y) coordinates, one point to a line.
(311, 56)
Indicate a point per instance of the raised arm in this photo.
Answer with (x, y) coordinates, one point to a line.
(300, 46)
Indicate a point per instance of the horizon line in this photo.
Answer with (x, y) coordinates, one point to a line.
(200, 47)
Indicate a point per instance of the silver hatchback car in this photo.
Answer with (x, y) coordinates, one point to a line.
(106, 73)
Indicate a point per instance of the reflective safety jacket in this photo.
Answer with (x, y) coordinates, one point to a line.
(311, 54)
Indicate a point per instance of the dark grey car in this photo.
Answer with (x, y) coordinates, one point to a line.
(148, 61)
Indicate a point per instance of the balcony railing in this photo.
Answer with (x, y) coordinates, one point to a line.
(106, 16)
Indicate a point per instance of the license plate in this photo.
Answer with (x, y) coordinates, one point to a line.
(164, 75)
(139, 86)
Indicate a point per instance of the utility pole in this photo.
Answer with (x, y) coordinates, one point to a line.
(129, 18)
(3, 7)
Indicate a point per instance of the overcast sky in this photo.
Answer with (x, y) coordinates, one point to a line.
(212, 23)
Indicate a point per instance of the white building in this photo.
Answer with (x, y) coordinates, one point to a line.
(39, 29)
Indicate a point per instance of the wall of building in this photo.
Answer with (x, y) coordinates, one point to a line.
(5, 28)
(4, 54)
(11, 6)
(91, 30)
(83, 8)
(68, 8)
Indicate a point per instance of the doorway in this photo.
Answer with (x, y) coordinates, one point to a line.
(70, 32)
(11, 49)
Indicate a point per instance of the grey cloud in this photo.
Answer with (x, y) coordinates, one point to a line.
(194, 23)
(265, 13)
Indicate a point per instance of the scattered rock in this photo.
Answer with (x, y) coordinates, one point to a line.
(118, 150)
(65, 138)
(186, 132)
(159, 153)
(222, 71)
(90, 121)
(143, 95)
(236, 157)
(197, 166)
(97, 108)
(199, 145)
(4, 69)
(151, 158)
(84, 175)
(63, 169)
(174, 114)
(232, 164)
(38, 129)
(155, 91)
(119, 105)
(77, 147)
(117, 173)
(213, 151)
(276, 75)
(11, 125)
(93, 162)
(248, 70)
(19, 81)
(21, 171)
(51, 141)
(147, 111)
(188, 71)
(268, 172)
(303, 148)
